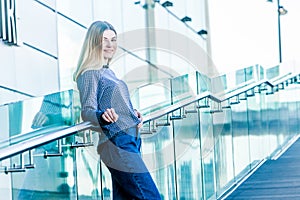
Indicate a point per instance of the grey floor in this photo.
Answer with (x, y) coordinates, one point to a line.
(275, 179)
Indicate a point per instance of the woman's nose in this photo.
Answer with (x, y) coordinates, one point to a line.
(108, 43)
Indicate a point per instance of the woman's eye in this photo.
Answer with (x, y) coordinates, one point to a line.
(112, 40)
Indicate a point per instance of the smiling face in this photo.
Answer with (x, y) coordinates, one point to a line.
(109, 44)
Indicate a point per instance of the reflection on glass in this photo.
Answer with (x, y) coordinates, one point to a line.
(88, 173)
(244, 75)
(184, 87)
(37, 116)
(219, 84)
(223, 150)
(256, 139)
(240, 138)
(207, 152)
(158, 154)
(51, 177)
(187, 151)
(203, 83)
(50, 112)
(272, 72)
(152, 97)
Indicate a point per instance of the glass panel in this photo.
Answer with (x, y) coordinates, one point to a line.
(207, 152)
(261, 72)
(287, 107)
(272, 72)
(203, 83)
(135, 71)
(51, 177)
(293, 103)
(231, 80)
(223, 150)
(37, 116)
(88, 170)
(256, 136)
(273, 120)
(244, 75)
(267, 137)
(187, 151)
(284, 135)
(296, 89)
(183, 87)
(158, 154)
(5, 183)
(47, 171)
(152, 97)
(241, 152)
(106, 182)
(293, 120)
(219, 84)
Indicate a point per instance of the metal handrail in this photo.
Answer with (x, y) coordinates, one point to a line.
(41, 140)
(224, 97)
(218, 97)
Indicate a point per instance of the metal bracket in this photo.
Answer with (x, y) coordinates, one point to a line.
(235, 100)
(194, 110)
(225, 104)
(146, 131)
(243, 96)
(250, 93)
(180, 116)
(270, 91)
(56, 154)
(21, 167)
(203, 103)
(86, 142)
(217, 109)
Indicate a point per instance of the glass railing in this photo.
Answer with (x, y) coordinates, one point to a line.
(200, 150)
(196, 144)
(29, 115)
(21, 123)
(33, 122)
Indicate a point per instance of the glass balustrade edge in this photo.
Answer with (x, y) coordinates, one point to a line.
(220, 97)
(41, 140)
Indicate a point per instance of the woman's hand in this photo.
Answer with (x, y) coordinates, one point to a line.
(110, 115)
(139, 115)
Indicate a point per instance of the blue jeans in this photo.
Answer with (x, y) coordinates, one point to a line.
(130, 176)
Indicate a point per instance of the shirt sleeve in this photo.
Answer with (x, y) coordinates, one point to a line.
(90, 90)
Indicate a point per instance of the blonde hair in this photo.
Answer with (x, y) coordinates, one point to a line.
(91, 51)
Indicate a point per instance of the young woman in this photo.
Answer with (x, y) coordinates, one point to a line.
(105, 101)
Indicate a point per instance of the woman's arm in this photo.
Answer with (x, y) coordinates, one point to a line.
(89, 87)
(87, 84)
